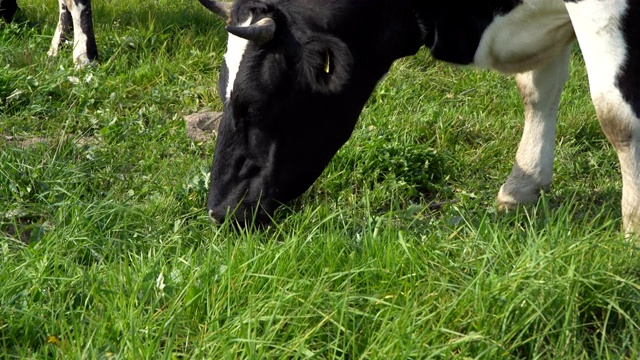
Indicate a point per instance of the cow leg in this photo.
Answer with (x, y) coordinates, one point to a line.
(84, 42)
(533, 168)
(609, 39)
(8, 8)
(63, 30)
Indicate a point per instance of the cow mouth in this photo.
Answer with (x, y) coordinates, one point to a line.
(242, 216)
(249, 210)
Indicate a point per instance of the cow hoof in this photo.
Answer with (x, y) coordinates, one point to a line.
(506, 207)
(510, 206)
(513, 194)
(84, 62)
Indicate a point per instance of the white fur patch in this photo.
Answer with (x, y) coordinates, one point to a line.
(604, 49)
(236, 47)
(525, 38)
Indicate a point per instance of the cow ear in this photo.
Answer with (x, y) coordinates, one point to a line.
(326, 64)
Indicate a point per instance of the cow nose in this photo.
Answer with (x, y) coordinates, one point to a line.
(241, 217)
(220, 214)
(217, 217)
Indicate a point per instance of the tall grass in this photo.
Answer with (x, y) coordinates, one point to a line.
(397, 251)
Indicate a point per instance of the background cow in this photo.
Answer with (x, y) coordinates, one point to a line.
(75, 16)
(297, 74)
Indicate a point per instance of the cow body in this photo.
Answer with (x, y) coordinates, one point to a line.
(75, 19)
(321, 64)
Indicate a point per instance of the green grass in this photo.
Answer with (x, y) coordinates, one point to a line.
(106, 250)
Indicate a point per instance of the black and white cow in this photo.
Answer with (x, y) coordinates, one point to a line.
(297, 74)
(75, 16)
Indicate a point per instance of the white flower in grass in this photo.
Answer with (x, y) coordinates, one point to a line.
(160, 282)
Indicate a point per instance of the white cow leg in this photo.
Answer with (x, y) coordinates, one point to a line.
(84, 42)
(598, 25)
(533, 168)
(63, 30)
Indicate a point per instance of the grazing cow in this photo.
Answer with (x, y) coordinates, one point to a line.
(75, 15)
(297, 74)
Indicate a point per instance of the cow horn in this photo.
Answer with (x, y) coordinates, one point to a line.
(222, 9)
(260, 32)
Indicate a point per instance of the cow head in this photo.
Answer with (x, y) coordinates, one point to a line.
(294, 80)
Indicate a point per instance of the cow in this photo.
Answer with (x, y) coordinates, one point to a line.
(296, 75)
(74, 16)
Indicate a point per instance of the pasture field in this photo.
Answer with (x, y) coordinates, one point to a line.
(397, 251)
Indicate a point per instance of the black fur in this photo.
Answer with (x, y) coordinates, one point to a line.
(454, 28)
(8, 9)
(67, 23)
(87, 28)
(629, 79)
(263, 157)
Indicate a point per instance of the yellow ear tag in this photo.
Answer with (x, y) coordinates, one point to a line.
(327, 62)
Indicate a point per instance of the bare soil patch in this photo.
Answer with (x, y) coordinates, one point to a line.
(203, 126)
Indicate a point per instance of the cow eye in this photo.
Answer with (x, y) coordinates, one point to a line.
(247, 113)
(253, 112)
